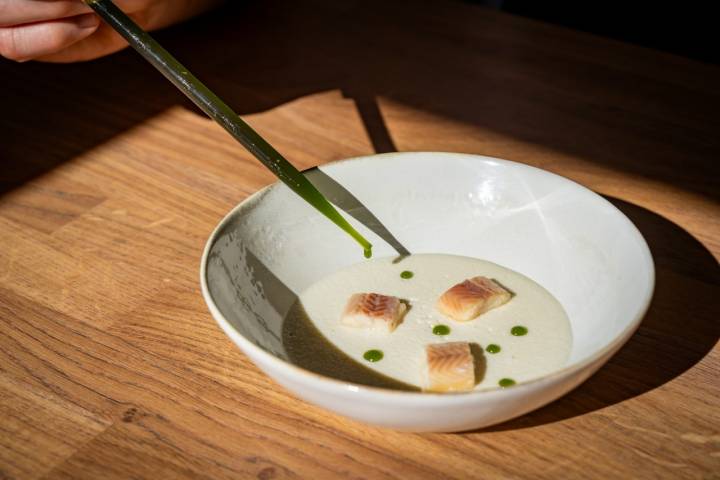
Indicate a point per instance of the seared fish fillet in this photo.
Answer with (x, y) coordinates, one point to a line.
(471, 298)
(372, 310)
(450, 367)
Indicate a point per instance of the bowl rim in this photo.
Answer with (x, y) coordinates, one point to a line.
(330, 383)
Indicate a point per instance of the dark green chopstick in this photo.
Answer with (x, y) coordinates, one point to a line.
(219, 111)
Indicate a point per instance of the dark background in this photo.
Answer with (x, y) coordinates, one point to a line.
(687, 28)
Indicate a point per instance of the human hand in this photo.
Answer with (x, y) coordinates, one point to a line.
(68, 31)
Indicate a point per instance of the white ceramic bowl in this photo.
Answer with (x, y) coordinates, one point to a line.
(562, 235)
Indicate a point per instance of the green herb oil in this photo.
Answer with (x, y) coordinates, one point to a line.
(518, 331)
(506, 382)
(441, 330)
(373, 355)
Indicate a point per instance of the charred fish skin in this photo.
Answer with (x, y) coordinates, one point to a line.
(373, 310)
(450, 367)
(471, 298)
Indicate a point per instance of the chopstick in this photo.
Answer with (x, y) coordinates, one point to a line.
(219, 111)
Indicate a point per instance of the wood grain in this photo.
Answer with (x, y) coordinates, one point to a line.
(111, 366)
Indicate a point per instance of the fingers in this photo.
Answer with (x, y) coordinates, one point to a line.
(106, 41)
(103, 42)
(18, 12)
(34, 40)
(60, 31)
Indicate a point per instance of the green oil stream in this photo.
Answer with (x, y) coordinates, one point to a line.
(219, 111)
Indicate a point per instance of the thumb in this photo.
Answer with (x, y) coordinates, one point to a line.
(25, 42)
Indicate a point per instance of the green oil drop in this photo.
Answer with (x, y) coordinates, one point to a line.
(441, 330)
(506, 382)
(373, 355)
(518, 331)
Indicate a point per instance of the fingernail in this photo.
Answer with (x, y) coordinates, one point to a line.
(87, 21)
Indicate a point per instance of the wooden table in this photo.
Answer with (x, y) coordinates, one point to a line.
(111, 366)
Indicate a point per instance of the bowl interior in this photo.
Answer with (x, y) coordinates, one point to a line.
(568, 239)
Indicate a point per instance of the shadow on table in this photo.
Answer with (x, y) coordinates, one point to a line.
(679, 330)
(449, 59)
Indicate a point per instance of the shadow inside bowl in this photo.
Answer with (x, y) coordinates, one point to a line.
(479, 361)
(285, 330)
(308, 348)
(678, 331)
(349, 203)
